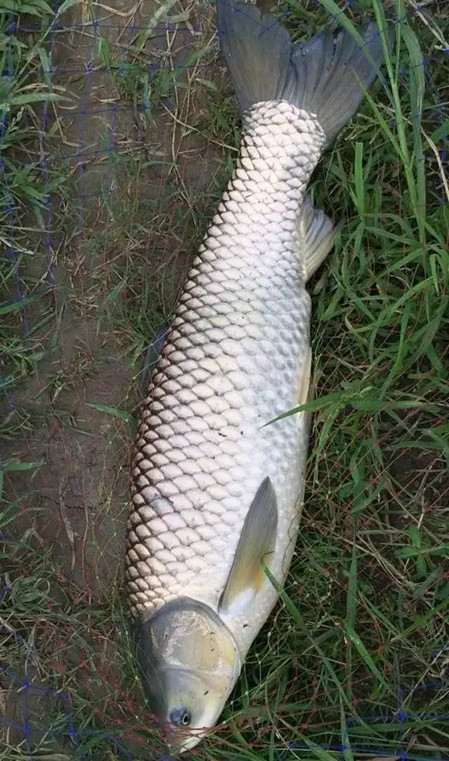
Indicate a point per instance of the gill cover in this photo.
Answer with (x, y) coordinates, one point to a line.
(189, 664)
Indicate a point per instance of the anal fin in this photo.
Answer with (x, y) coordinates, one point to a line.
(305, 391)
(317, 234)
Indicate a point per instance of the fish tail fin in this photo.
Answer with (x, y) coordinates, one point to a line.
(325, 76)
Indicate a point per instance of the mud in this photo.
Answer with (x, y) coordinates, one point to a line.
(76, 501)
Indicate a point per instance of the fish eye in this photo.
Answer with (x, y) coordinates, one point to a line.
(186, 719)
(181, 717)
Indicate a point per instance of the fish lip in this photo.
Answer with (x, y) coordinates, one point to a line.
(190, 741)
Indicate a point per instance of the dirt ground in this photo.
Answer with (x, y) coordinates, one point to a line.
(139, 186)
(77, 500)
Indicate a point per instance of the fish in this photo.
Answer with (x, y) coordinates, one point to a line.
(218, 472)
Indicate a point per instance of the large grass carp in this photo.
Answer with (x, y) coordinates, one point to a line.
(217, 491)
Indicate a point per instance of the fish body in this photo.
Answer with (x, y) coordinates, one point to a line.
(217, 485)
(236, 357)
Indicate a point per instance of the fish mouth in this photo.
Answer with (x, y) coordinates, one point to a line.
(182, 738)
(179, 742)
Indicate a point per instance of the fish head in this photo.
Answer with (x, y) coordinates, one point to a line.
(189, 664)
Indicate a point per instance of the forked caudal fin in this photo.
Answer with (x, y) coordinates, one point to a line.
(325, 76)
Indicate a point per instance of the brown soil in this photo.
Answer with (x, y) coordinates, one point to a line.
(77, 500)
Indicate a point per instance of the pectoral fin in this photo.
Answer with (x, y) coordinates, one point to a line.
(317, 236)
(258, 538)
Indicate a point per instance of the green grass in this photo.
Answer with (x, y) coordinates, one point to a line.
(361, 629)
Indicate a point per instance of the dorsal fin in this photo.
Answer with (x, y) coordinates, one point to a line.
(258, 538)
